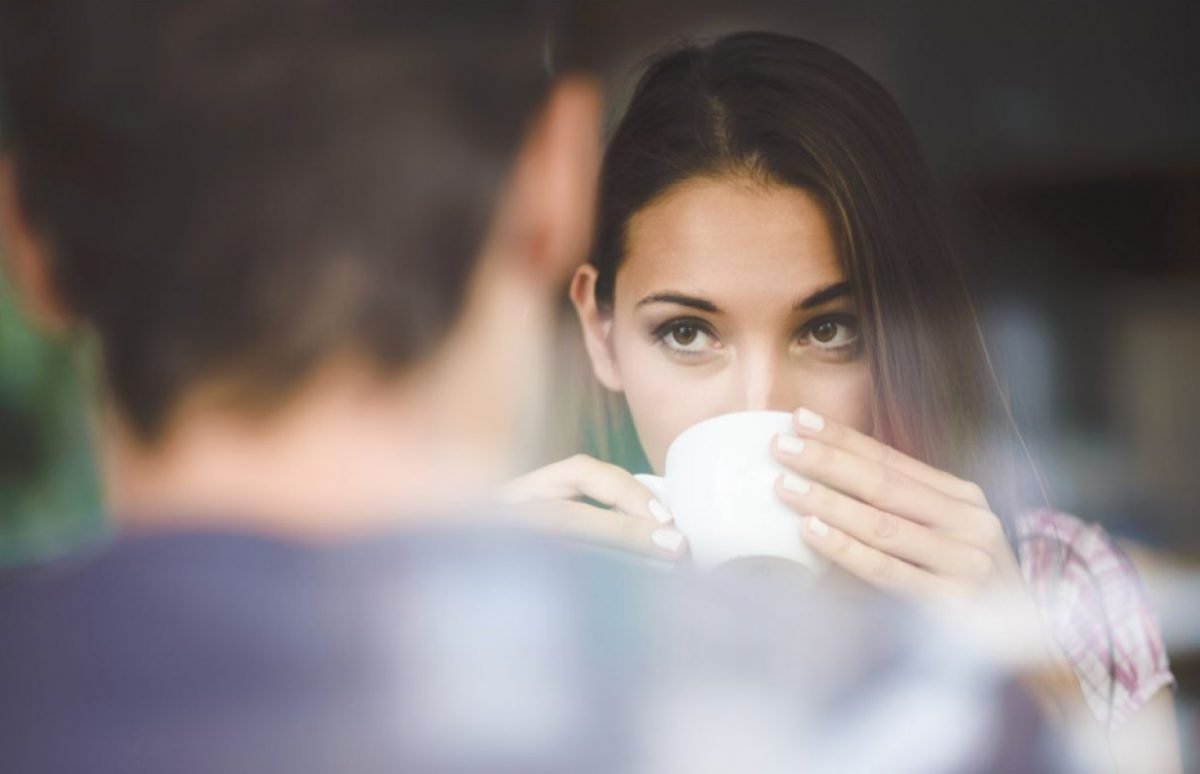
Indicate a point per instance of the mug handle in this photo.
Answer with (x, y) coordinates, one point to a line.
(655, 484)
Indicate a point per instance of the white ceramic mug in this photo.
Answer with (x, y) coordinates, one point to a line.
(719, 484)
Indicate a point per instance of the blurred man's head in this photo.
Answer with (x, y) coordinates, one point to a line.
(242, 196)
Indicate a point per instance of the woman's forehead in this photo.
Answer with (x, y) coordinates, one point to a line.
(731, 239)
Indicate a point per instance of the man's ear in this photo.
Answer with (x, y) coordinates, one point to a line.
(548, 208)
(596, 327)
(28, 258)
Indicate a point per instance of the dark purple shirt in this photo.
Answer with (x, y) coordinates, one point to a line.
(472, 650)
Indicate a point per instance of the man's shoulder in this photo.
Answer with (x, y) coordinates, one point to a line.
(162, 648)
(456, 649)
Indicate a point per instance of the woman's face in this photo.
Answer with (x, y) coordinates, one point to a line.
(730, 298)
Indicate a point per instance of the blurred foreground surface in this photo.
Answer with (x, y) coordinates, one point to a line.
(482, 651)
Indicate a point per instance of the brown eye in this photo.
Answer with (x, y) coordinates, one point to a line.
(825, 332)
(685, 335)
(832, 334)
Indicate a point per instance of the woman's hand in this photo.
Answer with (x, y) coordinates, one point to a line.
(889, 519)
(631, 519)
(904, 526)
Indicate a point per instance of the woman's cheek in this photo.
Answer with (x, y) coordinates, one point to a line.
(844, 395)
(663, 404)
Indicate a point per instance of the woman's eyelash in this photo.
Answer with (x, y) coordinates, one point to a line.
(845, 321)
(682, 325)
(691, 336)
(680, 322)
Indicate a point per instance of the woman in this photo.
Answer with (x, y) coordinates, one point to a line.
(768, 240)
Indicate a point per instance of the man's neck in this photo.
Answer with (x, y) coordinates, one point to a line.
(347, 455)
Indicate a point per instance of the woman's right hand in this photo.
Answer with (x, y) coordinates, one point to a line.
(631, 518)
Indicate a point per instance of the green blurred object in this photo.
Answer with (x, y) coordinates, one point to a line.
(49, 488)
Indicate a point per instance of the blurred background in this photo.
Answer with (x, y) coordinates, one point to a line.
(1067, 138)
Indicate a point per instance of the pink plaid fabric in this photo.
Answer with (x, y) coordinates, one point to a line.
(1092, 599)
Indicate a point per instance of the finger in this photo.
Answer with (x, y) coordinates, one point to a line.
(584, 476)
(885, 532)
(812, 425)
(879, 485)
(873, 566)
(590, 524)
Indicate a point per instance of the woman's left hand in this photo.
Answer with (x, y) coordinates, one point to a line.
(889, 519)
(907, 527)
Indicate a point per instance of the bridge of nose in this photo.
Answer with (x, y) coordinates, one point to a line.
(765, 382)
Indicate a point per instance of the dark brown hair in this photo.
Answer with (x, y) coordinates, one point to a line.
(787, 111)
(233, 190)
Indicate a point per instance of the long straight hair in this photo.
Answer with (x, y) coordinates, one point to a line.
(785, 111)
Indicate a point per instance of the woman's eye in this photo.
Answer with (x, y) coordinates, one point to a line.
(833, 334)
(685, 336)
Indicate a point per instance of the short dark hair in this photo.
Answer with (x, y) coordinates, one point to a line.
(235, 189)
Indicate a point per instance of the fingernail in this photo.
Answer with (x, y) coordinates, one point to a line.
(789, 444)
(796, 484)
(809, 419)
(660, 512)
(668, 539)
(817, 527)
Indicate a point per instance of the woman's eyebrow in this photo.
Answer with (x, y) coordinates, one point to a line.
(824, 295)
(681, 299)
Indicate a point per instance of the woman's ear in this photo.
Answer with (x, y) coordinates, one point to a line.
(28, 259)
(596, 326)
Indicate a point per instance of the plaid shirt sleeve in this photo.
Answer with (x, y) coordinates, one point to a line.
(1092, 599)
